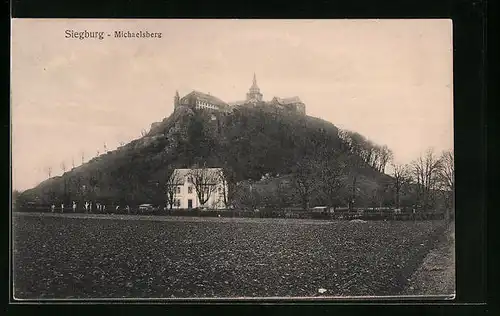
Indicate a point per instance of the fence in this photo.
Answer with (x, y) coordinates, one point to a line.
(364, 214)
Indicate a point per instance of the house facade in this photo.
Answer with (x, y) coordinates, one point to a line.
(189, 183)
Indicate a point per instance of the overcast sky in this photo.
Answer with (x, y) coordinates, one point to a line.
(390, 80)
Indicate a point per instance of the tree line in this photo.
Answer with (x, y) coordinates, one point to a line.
(327, 179)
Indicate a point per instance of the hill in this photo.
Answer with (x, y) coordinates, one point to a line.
(250, 143)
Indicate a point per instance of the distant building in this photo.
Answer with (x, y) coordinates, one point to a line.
(292, 104)
(253, 95)
(200, 100)
(208, 179)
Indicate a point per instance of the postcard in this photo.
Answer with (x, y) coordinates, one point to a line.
(232, 159)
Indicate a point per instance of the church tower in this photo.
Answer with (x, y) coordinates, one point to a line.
(176, 99)
(254, 94)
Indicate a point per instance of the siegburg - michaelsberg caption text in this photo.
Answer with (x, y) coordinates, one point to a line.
(95, 35)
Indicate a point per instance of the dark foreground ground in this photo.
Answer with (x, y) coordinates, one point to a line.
(95, 256)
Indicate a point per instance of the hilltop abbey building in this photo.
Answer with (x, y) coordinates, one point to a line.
(200, 100)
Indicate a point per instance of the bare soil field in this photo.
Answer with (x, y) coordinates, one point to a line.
(79, 256)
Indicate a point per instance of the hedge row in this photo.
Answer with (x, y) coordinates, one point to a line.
(264, 213)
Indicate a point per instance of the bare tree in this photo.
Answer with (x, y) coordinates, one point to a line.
(385, 155)
(282, 194)
(78, 187)
(171, 184)
(344, 139)
(354, 165)
(370, 153)
(375, 198)
(333, 170)
(94, 181)
(246, 195)
(83, 157)
(225, 180)
(400, 178)
(367, 151)
(65, 184)
(361, 152)
(49, 171)
(447, 171)
(105, 148)
(205, 182)
(304, 180)
(447, 180)
(73, 162)
(375, 156)
(383, 191)
(354, 142)
(425, 172)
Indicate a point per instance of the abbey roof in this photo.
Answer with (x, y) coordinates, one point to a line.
(206, 97)
(285, 101)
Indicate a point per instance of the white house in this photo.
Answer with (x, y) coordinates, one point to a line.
(191, 183)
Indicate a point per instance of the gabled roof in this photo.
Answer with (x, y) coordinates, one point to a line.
(206, 97)
(183, 173)
(285, 101)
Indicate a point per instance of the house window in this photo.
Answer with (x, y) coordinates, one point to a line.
(178, 203)
(178, 190)
(190, 190)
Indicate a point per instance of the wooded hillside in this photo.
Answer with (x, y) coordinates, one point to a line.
(249, 143)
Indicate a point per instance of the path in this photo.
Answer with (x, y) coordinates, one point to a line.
(436, 274)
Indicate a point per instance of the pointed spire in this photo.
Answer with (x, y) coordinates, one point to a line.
(254, 92)
(254, 83)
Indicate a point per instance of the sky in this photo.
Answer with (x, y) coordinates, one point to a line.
(390, 80)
